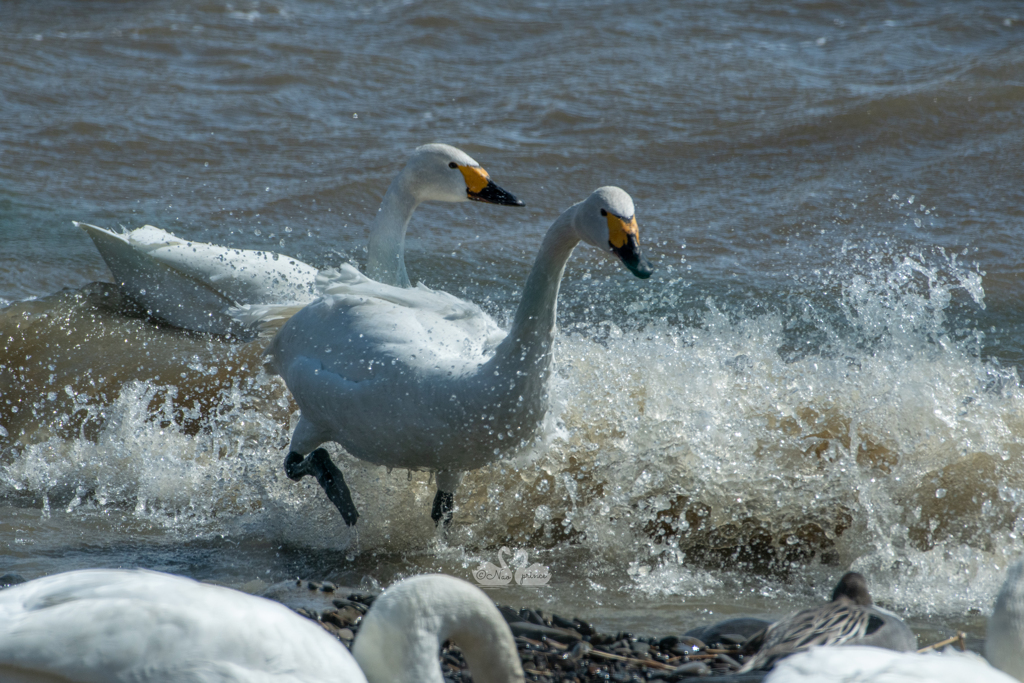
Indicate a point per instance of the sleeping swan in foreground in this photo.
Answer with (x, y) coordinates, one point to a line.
(1004, 648)
(107, 625)
(419, 379)
(192, 285)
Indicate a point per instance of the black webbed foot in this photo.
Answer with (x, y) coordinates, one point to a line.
(444, 506)
(319, 464)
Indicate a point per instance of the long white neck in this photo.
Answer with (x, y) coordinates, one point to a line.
(400, 637)
(527, 347)
(386, 262)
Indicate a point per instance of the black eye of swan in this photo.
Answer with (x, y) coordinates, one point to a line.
(453, 165)
(603, 212)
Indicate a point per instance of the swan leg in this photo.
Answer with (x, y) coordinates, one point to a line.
(444, 501)
(319, 464)
(444, 506)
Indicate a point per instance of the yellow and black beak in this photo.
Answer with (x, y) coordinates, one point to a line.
(624, 239)
(480, 188)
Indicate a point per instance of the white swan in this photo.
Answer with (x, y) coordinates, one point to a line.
(865, 664)
(419, 379)
(1004, 639)
(1004, 647)
(105, 625)
(193, 284)
(849, 619)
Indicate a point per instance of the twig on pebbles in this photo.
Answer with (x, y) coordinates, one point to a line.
(958, 639)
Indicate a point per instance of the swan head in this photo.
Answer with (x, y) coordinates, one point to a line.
(443, 173)
(607, 220)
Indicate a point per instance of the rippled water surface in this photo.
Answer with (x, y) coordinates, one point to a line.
(823, 373)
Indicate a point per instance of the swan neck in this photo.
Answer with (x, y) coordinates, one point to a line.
(533, 328)
(386, 262)
(399, 639)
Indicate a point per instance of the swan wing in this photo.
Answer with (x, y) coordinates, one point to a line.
(360, 328)
(96, 626)
(192, 284)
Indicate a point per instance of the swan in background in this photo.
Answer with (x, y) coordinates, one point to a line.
(102, 625)
(850, 619)
(419, 379)
(192, 285)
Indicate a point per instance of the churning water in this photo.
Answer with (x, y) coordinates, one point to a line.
(823, 373)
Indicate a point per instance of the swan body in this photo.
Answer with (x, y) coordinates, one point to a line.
(193, 285)
(137, 626)
(108, 625)
(864, 664)
(418, 379)
(1004, 639)
(849, 619)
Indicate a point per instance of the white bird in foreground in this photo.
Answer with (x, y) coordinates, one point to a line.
(865, 664)
(192, 285)
(109, 625)
(850, 619)
(418, 379)
(1004, 638)
(1004, 647)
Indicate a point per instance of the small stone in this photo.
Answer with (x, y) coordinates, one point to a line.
(732, 639)
(640, 647)
(328, 587)
(536, 632)
(364, 598)
(312, 585)
(341, 603)
(692, 669)
(346, 634)
(510, 614)
(11, 579)
(728, 661)
(668, 642)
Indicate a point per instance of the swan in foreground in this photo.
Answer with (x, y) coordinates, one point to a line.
(418, 379)
(106, 625)
(864, 664)
(193, 284)
(1004, 639)
(850, 619)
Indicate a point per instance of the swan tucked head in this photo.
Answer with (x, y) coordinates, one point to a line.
(607, 220)
(443, 173)
(400, 637)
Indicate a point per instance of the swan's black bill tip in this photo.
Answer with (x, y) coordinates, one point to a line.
(492, 194)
